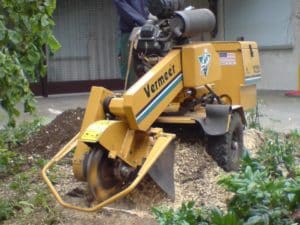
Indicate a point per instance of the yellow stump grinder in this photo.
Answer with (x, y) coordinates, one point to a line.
(204, 84)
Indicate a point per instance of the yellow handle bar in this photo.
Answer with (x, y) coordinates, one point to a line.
(159, 146)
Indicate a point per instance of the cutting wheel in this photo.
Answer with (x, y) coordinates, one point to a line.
(101, 170)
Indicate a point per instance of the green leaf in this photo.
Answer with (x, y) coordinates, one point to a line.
(50, 6)
(27, 207)
(14, 36)
(26, 22)
(21, 54)
(29, 105)
(2, 31)
(43, 70)
(27, 210)
(26, 203)
(53, 43)
(33, 55)
(253, 220)
(248, 172)
(45, 21)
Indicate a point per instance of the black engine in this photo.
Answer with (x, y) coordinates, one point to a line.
(172, 27)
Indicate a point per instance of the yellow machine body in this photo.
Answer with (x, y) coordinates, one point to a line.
(240, 66)
(226, 68)
(94, 111)
(151, 94)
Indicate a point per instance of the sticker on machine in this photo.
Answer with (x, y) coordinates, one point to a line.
(204, 61)
(227, 58)
(95, 130)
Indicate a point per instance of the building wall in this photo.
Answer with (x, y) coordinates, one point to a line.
(87, 31)
(279, 66)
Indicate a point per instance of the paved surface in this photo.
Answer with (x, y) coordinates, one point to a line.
(48, 108)
(277, 111)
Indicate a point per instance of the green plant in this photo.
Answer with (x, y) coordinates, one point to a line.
(252, 118)
(267, 187)
(26, 207)
(42, 199)
(259, 197)
(21, 183)
(10, 162)
(278, 155)
(218, 217)
(187, 214)
(25, 30)
(6, 209)
(13, 136)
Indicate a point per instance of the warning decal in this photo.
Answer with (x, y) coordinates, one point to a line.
(227, 58)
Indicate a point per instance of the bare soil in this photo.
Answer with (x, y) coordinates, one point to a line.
(196, 176)
(53, 136)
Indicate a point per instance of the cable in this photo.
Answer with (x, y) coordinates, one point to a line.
(128, 65)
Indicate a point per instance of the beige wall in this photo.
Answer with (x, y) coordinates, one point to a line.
(280, 67)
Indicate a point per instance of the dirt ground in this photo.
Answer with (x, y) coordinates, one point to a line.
(196, 176)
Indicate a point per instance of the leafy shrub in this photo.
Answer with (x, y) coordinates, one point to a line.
(266, 190)
(25, 29)
(261, 198)
(13, 136)
(267, 187)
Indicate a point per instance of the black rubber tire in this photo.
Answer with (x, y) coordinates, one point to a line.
(227, 150)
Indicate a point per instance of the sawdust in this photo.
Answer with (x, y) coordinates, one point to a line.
(196, 176)
(252, 140)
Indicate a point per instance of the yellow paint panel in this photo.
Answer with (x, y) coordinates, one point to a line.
(240, 67)
(200, 64)
(232, 74)
(95, 130)
(248, 96)
(250, 59)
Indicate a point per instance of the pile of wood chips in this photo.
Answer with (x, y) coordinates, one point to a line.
(196, 175)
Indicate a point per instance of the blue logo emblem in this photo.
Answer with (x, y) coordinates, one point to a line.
(205, 62)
